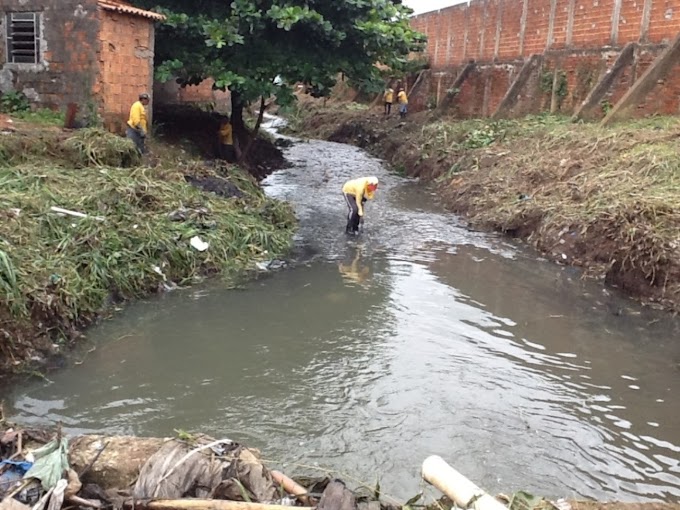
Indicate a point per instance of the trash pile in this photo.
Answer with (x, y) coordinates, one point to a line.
(45, 472)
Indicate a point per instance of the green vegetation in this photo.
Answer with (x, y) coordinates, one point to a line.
(58, 272)
(12, 102)
(262, 49)
(42, 116)
(557, 85)
(607, 199)
(19, 106)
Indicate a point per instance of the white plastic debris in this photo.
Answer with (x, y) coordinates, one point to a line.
(158, 271)
(199, 244)
(77, 214)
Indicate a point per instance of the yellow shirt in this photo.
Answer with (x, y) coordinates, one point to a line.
(389, 95)
(138, 116)
(359, 188)
(402, 98)
(227, 134)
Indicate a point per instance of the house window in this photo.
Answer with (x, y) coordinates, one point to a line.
(23, 37)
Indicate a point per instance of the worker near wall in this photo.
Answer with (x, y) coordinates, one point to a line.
(356, 192)
(137, 127)
(402, 98)
(389, 99)
(226, 149)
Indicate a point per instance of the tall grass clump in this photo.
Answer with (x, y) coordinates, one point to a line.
(59, 272)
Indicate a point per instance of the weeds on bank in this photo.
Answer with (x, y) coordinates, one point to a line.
(19, 106)
(60, 271)
(609, 194)
(43, 117)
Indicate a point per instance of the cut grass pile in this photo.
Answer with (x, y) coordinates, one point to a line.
(59, 272)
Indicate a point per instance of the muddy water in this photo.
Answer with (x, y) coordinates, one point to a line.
(368, 355)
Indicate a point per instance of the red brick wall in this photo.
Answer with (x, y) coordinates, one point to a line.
(537, 26)
(580, 38)
(520, 28)
(664, 23)
(501, 78)
(457, 21)
(475, 25)
(630, 22)
(126, 64)
(170, 93)
(560, 24)
(510, 28)
(666, 95)
(493, 14)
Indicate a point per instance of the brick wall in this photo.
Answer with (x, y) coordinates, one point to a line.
(579, 41)
(170, 93)
(126, 64)
(68, 52)
(485, 30)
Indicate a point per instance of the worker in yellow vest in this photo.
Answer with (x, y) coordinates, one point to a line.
(402, 98)
(137, 127)
(226, 149)
(388, 97)
(356, 192)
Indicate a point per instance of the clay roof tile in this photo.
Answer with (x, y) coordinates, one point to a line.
(126, 8)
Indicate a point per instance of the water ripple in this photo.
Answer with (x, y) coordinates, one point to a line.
(418, 338)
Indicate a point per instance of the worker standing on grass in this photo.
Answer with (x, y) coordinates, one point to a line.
(136, 125)
(226, 149)
(356, 192)
(402, 98)
(389, 99)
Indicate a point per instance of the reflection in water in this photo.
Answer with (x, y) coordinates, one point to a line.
(357, 271)
(418, 338)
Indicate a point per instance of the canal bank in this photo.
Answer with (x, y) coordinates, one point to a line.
(86, 226)
(421, 337)
(198, 472)
(605, 200)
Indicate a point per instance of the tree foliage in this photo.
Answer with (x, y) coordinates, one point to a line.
(258, 48)
(245, 44)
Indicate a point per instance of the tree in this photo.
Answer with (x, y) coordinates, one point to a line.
(260, 48)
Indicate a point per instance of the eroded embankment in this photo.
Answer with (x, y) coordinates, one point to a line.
(607, 200)
(131, 234)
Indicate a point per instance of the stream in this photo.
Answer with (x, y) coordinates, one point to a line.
(367, 355)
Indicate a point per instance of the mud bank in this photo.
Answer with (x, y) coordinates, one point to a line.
(606, 200)
(194, 471)
(124, 229)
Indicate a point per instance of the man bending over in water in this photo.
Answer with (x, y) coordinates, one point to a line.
(356, 192)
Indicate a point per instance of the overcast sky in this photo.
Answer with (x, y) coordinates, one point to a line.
(429, 5)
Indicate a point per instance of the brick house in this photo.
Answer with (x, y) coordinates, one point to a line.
(97, 54)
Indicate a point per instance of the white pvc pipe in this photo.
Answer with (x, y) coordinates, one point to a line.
(462, 491)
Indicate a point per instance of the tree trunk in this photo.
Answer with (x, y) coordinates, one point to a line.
(241, 135)
(253, 135)
(263, 107)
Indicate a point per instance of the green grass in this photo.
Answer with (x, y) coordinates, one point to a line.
(616, 189)
(58, 272)
(43, 117)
